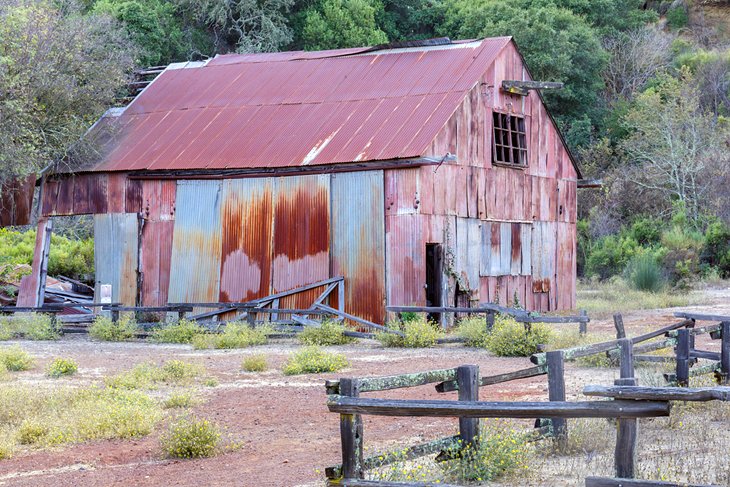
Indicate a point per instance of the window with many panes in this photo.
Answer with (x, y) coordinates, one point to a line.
(509, 144)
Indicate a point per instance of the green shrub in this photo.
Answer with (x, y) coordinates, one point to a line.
(644, 273)
(419, 333)
(254, 363)
(235, 335)
(16, 359)
(36, 326)
(512, 339)
(330, 333)
(191, 438)
(106, 330)
(313, 360)
(500, 451)
(181, 331)
(62, 366)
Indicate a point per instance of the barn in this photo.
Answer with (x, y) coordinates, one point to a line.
(425, 173)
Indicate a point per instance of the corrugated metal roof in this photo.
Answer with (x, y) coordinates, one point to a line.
(297, 108)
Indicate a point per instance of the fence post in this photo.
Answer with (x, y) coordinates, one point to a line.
(467, 378)
(556, 390)
(618, 322)
(628, 428)
(725, 352)
(490, 321)
(683, 351)
(583, 325)
(351, 435)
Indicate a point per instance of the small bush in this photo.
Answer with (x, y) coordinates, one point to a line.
(180, 400)
(15, 359)
(62, 366)
(182, 331)
(330, 333)
(235, 335)
(313, 360)
(36, 326)
(106, 330)
(644, 273)
(191, 438)
(419, 333)
(254, 363)
(511, 339)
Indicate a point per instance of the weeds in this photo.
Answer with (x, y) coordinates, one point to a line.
(182, 331)
(62, 366)
(15, 359)
(254, 363)
(330, 333)
(105, 329)
(191, 438)
(313, 360)
(418, 333)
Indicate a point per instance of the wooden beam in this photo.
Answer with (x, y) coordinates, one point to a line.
(456, 409)
(697, 394)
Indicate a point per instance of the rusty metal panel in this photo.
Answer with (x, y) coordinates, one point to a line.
(405, 260)
(301, 236)
(358, 241)
(16, 201)
(196, 243)
(247, 213)
(116, 241)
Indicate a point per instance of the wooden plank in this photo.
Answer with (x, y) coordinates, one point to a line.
(695, 394)
(467, 377)
(496, 379)
(619, 482)
(480, 409)
(385, 383)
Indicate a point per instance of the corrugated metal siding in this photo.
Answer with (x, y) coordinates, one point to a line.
(196, 244)
(301, 236)
(247, 239)
(358, 241)
(116, 255)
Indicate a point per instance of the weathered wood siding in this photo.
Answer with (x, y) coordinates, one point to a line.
(510, 232)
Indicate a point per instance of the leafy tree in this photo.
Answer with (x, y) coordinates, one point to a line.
(59, 71)
(243, 25)
(341, 23)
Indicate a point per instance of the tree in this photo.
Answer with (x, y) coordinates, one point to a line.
(336, 24)
(59, 71)
(246, 25)
(680, 150)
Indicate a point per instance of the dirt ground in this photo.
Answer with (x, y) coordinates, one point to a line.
(288, 435)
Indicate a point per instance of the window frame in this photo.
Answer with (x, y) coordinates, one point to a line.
(512, 133)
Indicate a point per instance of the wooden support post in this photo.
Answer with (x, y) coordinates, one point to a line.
(618, 322)
(556, 390)
(684, 345)
(583, 325)
(467, 378)
(351, 435)
(725, 352)
(490, 321)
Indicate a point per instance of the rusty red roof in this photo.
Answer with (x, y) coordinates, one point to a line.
(297, 108)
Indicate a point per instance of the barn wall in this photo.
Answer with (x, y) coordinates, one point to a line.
(515, 226)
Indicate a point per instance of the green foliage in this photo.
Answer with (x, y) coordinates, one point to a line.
(105, 329)
(235, 335)
(182, 331)
(254, 363)
(68, 257)
(314, 360)
(501, 450)
(62, 366)
(191, 438)
(332, 24)
(419, 333)
(512, 339)
(644, 273)
(330, 333)
(15, 359)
